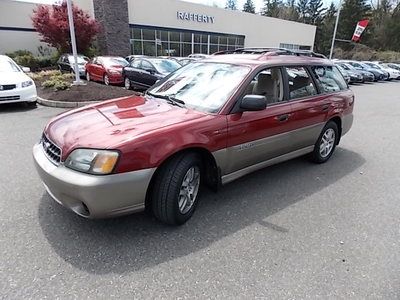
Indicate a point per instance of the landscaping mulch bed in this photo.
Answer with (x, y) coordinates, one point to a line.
(92, 91)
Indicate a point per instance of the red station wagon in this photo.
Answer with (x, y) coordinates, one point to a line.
(210, 122)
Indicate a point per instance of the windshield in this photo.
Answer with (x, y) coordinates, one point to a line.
(115, 62)
(202, 86)
(365, 66)
(165, 65)
(8, 66)
(81, 60)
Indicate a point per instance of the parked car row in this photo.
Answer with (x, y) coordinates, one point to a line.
(366, 71)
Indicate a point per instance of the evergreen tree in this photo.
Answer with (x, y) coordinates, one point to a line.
(316, 11)
(273, 8)
(352, 12)
(324, 34)
(249, 7)
(231, 4)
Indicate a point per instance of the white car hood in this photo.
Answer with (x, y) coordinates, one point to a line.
(12, 77)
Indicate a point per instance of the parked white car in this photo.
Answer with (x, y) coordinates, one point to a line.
(15, 85)
(393, 73)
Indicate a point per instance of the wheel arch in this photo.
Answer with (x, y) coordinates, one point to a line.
(338, 122)
(210, 169)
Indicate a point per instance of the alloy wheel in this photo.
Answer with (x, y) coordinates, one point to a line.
(127, 83)
(189, 189)
(106, 80)
(327, 142)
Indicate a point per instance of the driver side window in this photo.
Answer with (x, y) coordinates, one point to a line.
(267, 83)
(147, 66)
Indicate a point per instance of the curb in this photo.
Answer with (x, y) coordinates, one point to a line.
(63, 104)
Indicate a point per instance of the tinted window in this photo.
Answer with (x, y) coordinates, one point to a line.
(267, 83)
(330, 78)
(136, 63)
(300, 83)
(146, 65)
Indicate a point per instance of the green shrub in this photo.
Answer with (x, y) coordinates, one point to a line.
(56, 83)
(27, 59)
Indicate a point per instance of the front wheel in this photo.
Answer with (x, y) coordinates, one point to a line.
(106, 79)
(87, 76)
(176, 189)
(128, 85)
(326, 143)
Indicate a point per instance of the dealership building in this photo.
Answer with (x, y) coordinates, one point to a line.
(160, 27)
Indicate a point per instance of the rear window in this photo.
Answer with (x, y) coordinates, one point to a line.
(329, 78)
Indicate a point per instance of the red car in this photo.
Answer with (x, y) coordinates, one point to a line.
(107, 69)
(210, 122)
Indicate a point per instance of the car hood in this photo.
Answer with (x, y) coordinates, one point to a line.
(12, 77)
(112, 123)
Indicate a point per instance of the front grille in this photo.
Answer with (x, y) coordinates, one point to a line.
(6, 87)
(53, 152)
(9, 98)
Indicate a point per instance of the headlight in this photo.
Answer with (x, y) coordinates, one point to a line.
(92, 161)
(27, 83)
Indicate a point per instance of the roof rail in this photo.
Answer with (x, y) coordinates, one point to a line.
(257, 50)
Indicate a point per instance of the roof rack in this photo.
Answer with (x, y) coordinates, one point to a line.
(272, 51)
(257, 50)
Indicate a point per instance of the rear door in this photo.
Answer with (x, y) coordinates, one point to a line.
(257, 136)
(311, 110)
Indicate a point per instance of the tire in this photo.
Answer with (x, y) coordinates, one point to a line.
(320, 155)
(88, 77)
(127, 83)
(106, 79)
(168, 192)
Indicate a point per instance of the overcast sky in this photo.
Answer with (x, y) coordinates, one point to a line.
(220, 3)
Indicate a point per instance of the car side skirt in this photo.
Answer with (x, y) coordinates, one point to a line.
(237, 174)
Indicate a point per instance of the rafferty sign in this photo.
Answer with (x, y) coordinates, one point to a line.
(194, 17)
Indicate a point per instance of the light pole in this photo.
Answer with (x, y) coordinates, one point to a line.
(73, 43)
(334, 31)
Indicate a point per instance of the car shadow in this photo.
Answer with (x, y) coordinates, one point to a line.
(16, 107)
(139, 241)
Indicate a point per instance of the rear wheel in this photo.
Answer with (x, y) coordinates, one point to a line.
(176, 188)
(106, 79)
(326, 143)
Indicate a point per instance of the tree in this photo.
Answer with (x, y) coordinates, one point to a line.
(273, 8)
(352, 12)
(323, 37)
(249, 7)
(52, 25)
(231, 4)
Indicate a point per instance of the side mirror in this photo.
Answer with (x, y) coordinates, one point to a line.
(26, 69)
(253, 103)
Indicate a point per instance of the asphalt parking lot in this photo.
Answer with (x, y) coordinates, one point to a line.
(292, 231)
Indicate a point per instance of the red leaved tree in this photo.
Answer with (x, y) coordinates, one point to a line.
(51, 22)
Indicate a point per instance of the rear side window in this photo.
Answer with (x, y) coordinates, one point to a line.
(300, 83)
(329, 78)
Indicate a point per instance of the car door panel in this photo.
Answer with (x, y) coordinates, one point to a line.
(254, 137)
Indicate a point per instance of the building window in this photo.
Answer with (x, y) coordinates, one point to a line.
(165, 42)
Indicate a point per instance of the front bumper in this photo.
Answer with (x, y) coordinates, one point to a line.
(92, 196)
(19, 94)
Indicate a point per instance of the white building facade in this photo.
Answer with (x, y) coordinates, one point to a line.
(162, 27)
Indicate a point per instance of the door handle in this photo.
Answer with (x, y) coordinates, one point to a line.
(325, 107)
(282, 118)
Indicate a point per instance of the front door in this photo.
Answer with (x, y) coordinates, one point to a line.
(257, 136)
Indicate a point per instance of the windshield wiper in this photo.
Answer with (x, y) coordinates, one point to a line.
(170, 98)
